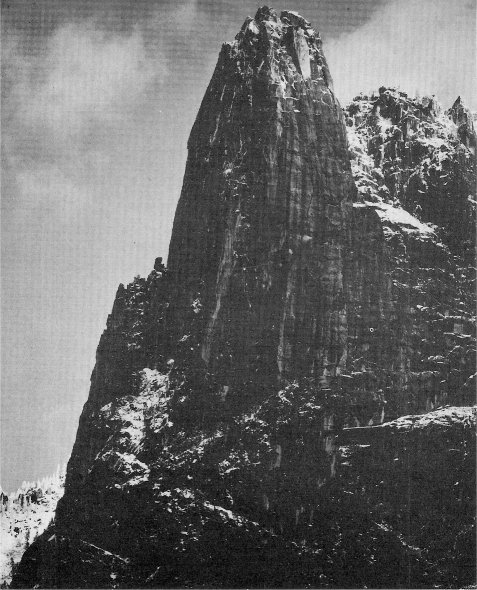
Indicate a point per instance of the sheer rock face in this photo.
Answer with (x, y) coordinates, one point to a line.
(262, 225)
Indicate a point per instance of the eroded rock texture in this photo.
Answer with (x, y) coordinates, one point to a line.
(218, 447)
(131, 341)
(411, 275)
(24, 515)
(262, 225)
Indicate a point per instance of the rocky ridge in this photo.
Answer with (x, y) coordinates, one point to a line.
(413, 271)
(24, 515)
(315, 289)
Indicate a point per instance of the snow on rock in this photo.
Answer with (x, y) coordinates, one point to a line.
(134, 416)
(399, 216)
(444, 418)
(416, 161)
(414, 237)
(25, 514)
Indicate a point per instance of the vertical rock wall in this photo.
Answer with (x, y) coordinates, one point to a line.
(411, 276)
(262, 225)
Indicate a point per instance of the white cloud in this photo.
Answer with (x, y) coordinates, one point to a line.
(84, 79)
(426, 46)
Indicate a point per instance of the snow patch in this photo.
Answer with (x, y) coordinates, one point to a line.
(398, 216)
(25, 516)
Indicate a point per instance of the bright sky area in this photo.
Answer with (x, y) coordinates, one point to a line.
(98, 102)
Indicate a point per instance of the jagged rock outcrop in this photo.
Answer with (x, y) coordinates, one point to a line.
(24, 515)
(411, 276)
(464, 120)
(128, 344)
(314, 284)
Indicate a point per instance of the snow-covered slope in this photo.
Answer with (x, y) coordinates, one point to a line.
(24, 515)
(413, 163)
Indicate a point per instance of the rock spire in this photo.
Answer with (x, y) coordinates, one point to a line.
(261, 228)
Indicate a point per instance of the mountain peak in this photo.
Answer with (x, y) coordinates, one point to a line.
(464, 120)
(283, 41)
(264, 13)
(459, 107)
(251, 125)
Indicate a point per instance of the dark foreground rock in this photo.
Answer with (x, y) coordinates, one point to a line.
(215, 511)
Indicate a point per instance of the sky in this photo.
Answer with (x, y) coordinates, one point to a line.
(98, 99)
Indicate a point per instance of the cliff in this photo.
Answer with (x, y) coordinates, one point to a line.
(412, 273)
(319, 287)
(261, 228)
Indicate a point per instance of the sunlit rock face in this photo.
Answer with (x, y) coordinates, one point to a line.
(315, 284)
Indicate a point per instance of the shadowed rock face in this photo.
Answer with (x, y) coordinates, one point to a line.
(232, 513)
(129, 343)
(313, 284)
(262, 225)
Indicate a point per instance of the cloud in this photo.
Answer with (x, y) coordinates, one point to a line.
(83, 81)
(424, 46)
(70, 107)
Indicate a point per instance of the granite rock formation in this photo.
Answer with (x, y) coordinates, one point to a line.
(412, 272)
(319, 284)
(262, 225)
(24, 515)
